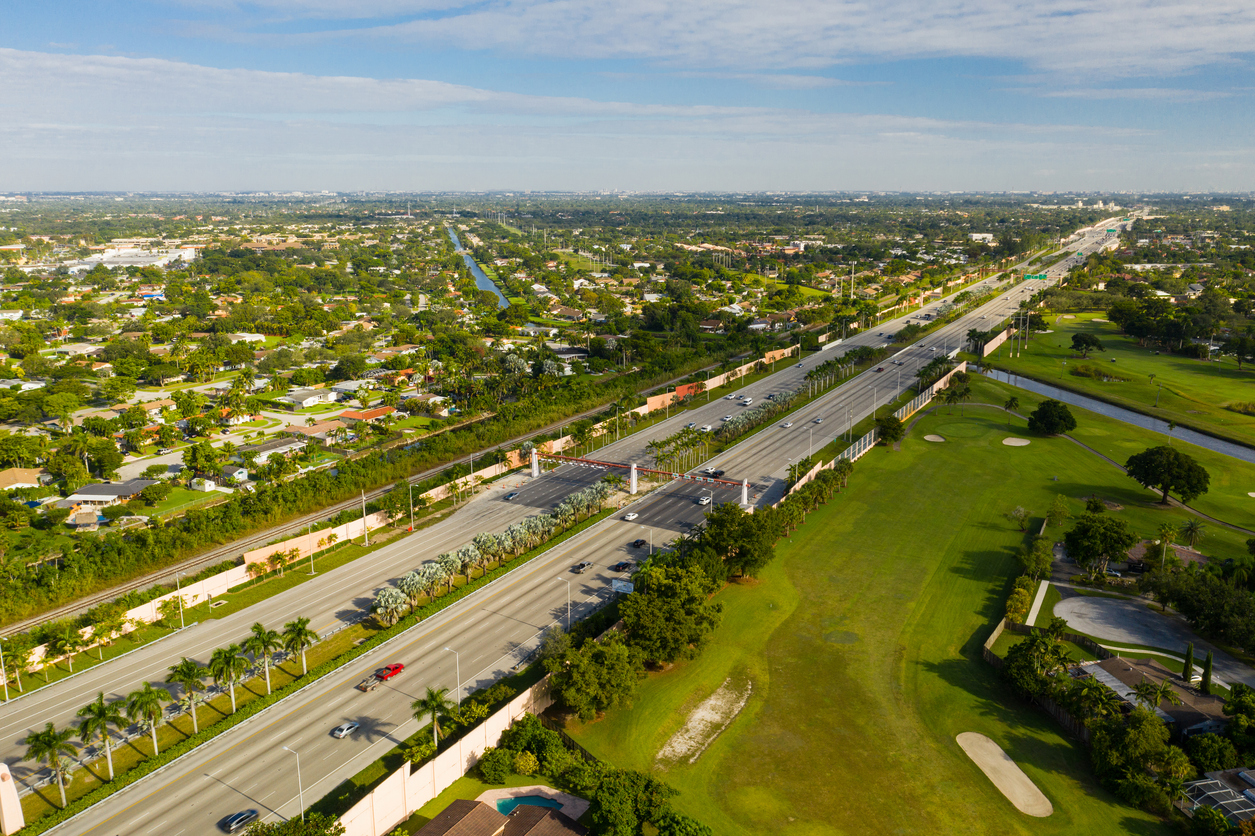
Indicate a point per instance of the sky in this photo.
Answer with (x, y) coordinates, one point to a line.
(632, 95)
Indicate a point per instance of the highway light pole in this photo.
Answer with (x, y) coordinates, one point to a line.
(179, 591)
(4, 674)
(568, 598)
(457, 661)
(411, 484)
(300, 788)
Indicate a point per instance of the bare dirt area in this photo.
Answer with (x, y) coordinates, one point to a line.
(705, 723)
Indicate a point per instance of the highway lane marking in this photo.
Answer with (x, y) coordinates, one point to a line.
(454, 617)
(154, 827)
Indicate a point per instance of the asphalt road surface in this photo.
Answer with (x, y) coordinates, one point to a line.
(491, 629)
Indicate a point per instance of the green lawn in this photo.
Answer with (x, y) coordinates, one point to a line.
(862, 641)
(1195, 392)
(1231, 479)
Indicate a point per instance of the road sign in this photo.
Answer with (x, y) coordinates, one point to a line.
(1039, 276)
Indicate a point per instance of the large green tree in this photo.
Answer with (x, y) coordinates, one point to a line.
(670, 614)
(1168, 470)
(598, 676)
(1099, 539)
(1051, 417)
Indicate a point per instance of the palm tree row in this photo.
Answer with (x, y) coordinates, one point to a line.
(392, 603)
(145, 707)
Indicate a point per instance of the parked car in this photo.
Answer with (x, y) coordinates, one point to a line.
(511, 495)
(344, 730)
(388, 671)
(621, 566)
(630, 517)
(640, 543)
(239, 821)
(581, 568)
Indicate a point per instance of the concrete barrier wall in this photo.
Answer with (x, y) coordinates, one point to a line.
(403, 792)
(993, 344)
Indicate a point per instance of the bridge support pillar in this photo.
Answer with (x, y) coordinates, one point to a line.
(632, 480)
(745, 491)
(535, 464)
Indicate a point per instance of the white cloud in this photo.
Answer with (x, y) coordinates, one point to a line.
(96, 122)
(1067, 37)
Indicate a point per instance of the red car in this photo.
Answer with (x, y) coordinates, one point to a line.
(388, 671)
(881, 369)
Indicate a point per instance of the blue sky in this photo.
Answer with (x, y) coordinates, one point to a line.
(641, 95)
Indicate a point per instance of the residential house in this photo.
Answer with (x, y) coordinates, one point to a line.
(322, 431)
(433, 405)
(23, 477)
(235, 473)
(263, 451)
(350, 388)
(370, 416)
(17, 385)
(104, 494)
(475, 818)
(155, 409)
(305, 398)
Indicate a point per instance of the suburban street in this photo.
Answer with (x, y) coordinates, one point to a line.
(491, 630)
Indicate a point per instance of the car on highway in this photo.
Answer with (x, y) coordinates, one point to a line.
(621, 566)
(511, 495)
(880, 368)
(787, 424)
(706, 428)
(239, 821)
(344, 730)
(747, 402)
(640, 543)
(717, 474)
(898, 363)
(819, 420)
(690, 425)
(388, 671)
(801, 365)
(582, 567)
(727, 417)
(729, 397)
(630, 517)
(705, 500)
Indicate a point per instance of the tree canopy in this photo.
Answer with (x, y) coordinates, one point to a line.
(1167, 469)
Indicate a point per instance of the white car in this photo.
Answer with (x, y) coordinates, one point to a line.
(730, 397)
(801, 365)
(819, 420)
(705, 500)
(786, 424)
(706, 428)
(630, 517)
(727, 417)
(747, 402)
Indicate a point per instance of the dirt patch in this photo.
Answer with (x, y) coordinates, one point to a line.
(936, 439)
(1107, 503)
(1016, 442)
(705, 723)
(1005, 774)
(1150, 550)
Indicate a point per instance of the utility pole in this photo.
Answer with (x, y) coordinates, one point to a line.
(365, 527)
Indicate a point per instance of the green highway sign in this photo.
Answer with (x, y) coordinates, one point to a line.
(1041, 276)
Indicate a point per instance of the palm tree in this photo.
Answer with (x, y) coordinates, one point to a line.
(436, 705)
(1193, 531)
(95, 719)
(19, 647)
(227, 665)
(1167, 533)
(262, 644)
(1012, 404)
(67, 642)
(53, 747)
(297, 638)
(191, 678)
(143, 707)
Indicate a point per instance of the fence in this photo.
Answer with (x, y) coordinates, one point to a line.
(410, 787)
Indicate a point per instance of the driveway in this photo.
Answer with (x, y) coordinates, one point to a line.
(1123, 622)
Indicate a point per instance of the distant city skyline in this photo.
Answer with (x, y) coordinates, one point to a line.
(213, 95)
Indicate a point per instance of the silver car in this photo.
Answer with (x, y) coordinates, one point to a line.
(344, 730)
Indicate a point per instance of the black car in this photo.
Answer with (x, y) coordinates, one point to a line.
(717, 474)
(239, 821)
(640, 543)
(621, 566)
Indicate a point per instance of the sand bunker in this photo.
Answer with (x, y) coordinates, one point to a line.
(1015, 442)
(1067, 316)
(1096, 319)
(1005, 774)
(705, 723)
(937, 438)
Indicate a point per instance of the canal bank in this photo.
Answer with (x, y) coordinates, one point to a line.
(481, 278)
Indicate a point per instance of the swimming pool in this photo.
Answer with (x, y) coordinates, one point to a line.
(505, 806)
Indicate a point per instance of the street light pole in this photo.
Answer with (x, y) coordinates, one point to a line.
(568, 601)
(179, 592)
(457, 661)
(300, 788)
(4, 674)
(411, 484)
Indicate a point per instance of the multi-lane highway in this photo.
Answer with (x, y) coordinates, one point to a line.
(490, 630)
